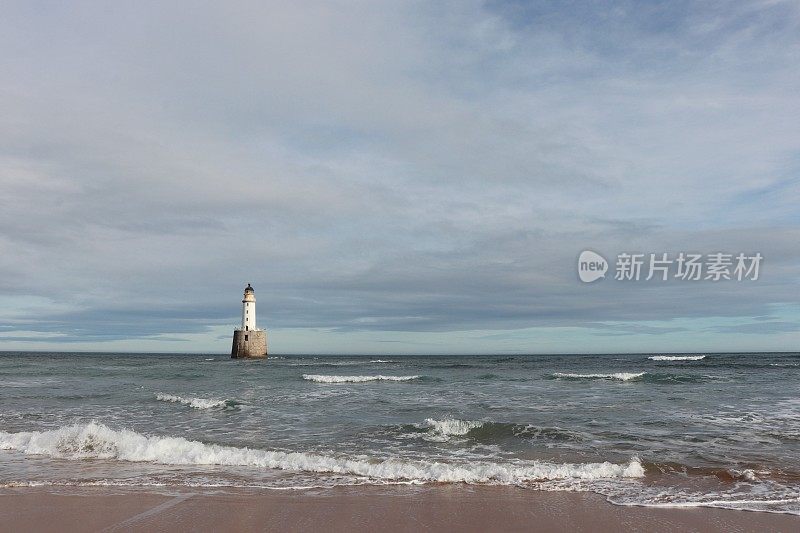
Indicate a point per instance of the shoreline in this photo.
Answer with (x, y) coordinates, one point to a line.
(363, 508)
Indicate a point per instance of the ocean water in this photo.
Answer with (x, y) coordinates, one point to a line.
(720, 430)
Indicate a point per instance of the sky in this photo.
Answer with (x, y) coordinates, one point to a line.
(396, 177)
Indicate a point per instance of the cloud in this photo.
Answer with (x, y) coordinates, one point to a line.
(390, 167)
(761, 328)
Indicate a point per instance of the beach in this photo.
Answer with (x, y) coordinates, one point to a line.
(435, 508)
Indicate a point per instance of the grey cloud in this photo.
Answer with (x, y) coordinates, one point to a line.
(761, 328)
(432, 168)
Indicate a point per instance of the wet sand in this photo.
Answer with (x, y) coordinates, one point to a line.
(430, 508)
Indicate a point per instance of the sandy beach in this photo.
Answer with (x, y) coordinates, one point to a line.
(438, 508)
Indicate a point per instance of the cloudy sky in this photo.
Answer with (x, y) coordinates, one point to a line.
(396, 177)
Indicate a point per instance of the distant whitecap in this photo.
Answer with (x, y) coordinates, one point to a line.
(354, 379)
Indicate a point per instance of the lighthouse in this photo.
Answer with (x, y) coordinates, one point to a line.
(249, 309)
(249, 341)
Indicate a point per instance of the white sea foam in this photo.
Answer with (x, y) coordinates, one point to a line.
(354, 379)
(677, 357)
(97, 441)
(382, 361)
(623, 376)
(450, 426)
(766, 505)
(443, 430)
(327, 363)
(197, 403)
(767, 497)
(746, 475)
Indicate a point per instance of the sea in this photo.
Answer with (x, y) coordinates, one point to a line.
(680, 430)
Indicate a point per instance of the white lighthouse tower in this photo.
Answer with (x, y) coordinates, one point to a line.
(249, 309)
(249, 341)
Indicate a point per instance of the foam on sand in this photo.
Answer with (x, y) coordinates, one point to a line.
(196, 403)
(354, 379)
(677, 357)
(97, 441)
(622, 376)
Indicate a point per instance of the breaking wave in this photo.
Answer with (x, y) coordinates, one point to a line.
(622, 376)
(450, 426)
(196, 403)
(677, 357)
(354, 379)
(484, 431)
(97, 441)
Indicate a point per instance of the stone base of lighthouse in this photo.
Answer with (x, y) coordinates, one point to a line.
(249, 343)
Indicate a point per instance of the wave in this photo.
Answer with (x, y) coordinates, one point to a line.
(355, 379)
(456, 365)
(677, 357)
(97, 441)
(450, 426)
(645, 377)
(382, 361)
(197, 403)
(24, 383)
(622, 376)
(484, 431)
(327, 363)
